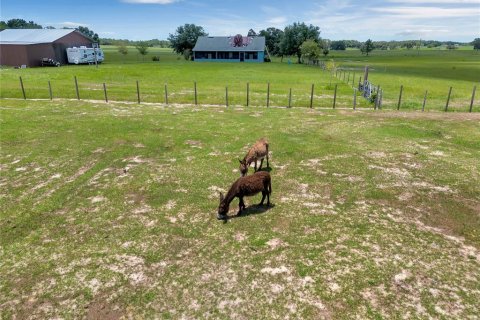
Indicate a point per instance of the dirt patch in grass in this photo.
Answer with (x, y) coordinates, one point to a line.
(101, 309)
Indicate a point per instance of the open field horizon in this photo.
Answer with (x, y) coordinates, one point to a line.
(435, 71)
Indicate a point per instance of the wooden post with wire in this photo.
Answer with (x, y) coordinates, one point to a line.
(400, 97)
(448, 99)
(473, 98)
(268, 95)
(311, 96)
(50, 90)
(424, 100)
(76, 88)
(335, 96)
(138, 92)
(105, 92)
(166, 94)
(290, 98)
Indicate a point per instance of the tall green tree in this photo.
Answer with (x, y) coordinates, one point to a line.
(311, 51)
(185, 37)
(325, 45)
(367, 47)
(142, 47)
(123, 50)
(251, 33)
(476, 44)
(19, 24)
(89, 33)
(273, 38)
(295, 35)
(338, 45)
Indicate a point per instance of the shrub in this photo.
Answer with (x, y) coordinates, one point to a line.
(155, 58)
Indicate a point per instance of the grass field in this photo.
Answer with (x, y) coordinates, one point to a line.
(435, 71)
(109, 210)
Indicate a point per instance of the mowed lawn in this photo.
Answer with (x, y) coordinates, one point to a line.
(435, 71)
(109, 211)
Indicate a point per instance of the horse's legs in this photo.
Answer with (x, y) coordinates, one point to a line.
(261, 163)
(264, 194)
(241, 206)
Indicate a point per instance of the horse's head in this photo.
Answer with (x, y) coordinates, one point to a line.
(243, 167)
(222, 208)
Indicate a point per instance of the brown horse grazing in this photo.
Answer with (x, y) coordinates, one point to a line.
(245, 187)
(257, 152)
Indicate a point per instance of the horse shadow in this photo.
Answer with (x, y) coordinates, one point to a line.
(266, 169)
(250, 211)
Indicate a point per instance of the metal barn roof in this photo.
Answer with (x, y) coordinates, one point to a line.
(32, 36)
(224, 44)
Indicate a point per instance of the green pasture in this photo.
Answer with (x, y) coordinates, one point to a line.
(109, 210)
(435, 71)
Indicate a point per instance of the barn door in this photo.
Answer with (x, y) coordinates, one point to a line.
(242, 56)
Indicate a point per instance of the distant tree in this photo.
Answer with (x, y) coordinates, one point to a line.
(19, 24)
(325, 45)
(185, 37)
(273, 37)
(251, 33)
(409, 44)
(50, 27)
(452, 46)
(142, 47)
(367, 47)
(89, 33)
(123, 50)
(295, 35)
(476, 44)
(338, 45)
(310, 51)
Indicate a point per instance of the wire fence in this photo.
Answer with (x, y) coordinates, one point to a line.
(363, 94)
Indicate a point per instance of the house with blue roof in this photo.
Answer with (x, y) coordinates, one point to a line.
(229, 49)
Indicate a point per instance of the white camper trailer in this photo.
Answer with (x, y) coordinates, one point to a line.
(84, 55)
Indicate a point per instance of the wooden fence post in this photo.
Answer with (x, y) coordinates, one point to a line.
(448, 99)
(226, 96)
(353, 80)
(354, 98)
(473, 98)
(105, 92)
(424, 100)
(377, 99)
(290, 98)
(50, 90)
(381, 99)
(348, 79)
(311, 96)
(248, 94)
(76, 88)
(400, 97)
(166, 94)
(23, 89)
(138, 93)
(195, 88)
(268, 95)
(335, 96)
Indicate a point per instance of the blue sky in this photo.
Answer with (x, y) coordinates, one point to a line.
(344, 19)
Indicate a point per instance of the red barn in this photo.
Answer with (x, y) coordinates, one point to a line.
(28, 46)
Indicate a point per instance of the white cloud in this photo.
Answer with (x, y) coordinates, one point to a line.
(151, 1)
(70, 24)
(456, 2)
(428, 12)
(277, 21)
